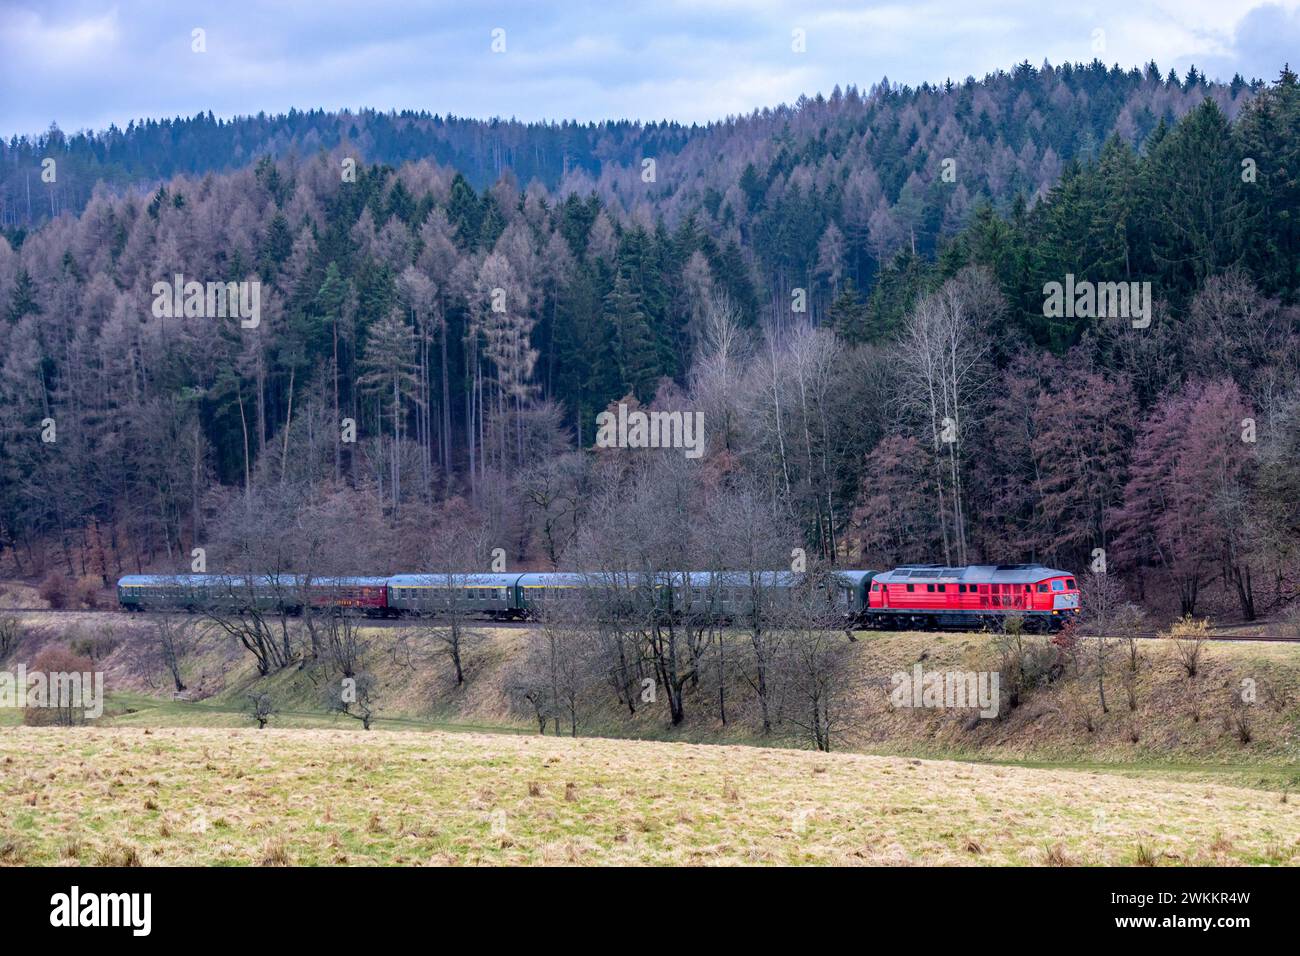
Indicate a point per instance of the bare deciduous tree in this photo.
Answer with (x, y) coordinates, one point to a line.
(261, 707)
(555, 673)
(174, 639)
(817, 664)
(1189, 637)
(11, 635)
(944, 357)
(355, 697)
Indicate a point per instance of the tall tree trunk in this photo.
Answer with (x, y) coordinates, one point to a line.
(338, 422)
(446, 405)
(243, 424)
(288, 423)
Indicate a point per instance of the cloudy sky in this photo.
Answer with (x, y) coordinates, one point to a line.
(88, 63)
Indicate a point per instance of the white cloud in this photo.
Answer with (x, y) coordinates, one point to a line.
(87, 63)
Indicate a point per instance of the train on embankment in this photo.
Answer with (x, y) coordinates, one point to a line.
(912, 596)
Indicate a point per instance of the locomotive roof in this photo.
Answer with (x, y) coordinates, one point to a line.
(975, 573)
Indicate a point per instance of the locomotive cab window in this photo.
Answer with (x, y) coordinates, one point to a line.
(1070, 584)
(1042, 589)
(1058, 585)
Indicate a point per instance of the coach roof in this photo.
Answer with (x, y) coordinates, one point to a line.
(459, 579)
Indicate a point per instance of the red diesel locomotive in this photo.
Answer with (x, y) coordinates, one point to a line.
(933, 596)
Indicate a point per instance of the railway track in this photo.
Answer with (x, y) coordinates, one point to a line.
(398, 623)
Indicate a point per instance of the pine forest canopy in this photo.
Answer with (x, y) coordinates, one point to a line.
(476, 292)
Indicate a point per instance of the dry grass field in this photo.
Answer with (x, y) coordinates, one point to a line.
(459, 776)
(248, 797)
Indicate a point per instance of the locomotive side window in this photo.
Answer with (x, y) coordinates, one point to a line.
(943, 588)
(1042, 589)
(930, 588)
(911, 587)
